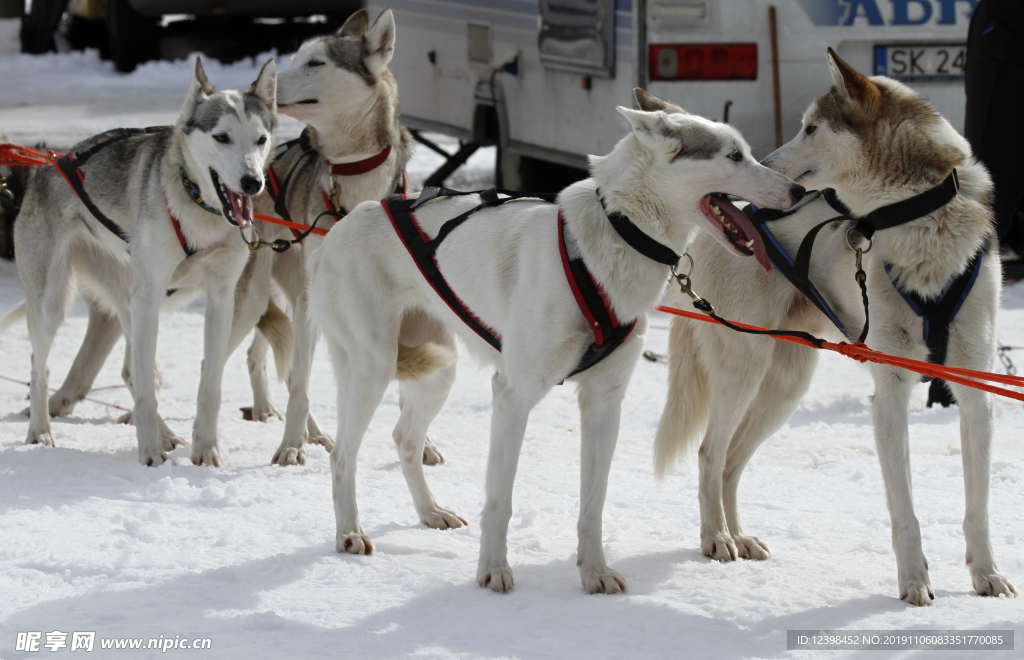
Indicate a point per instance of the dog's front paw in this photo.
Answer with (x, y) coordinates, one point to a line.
(260, 412)
(751, 547)
(61, 406)
(169, 440)
(44, 438)
(992, 584)
(205, 455)
(151, 456)
(719, 546)
(355, 543)
(917, 593)
(443, 519)
(602, 580)
(431, 456)
(125, 418)
(288, 455)
(496, 578)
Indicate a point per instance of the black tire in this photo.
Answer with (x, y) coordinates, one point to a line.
(133, 37)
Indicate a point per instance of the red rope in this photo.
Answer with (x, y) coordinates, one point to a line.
(15, 155)
(864, 353)
(288, 223)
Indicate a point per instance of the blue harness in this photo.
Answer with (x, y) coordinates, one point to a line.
(936, 315)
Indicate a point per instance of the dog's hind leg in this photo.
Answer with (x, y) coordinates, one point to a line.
(101, 334)
(256, 361)
(976, 442)
(780, 392)
(890, 410)
(421, 400)
(168, 438)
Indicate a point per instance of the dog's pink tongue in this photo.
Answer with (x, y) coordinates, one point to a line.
(740, 219)
(241, 208)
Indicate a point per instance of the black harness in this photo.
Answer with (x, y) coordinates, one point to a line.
(70, 167)
(936, 315)
(609, 332)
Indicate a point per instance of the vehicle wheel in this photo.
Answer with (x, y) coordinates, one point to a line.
(133, 37)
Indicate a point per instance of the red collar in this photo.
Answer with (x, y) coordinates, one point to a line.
(361, 166)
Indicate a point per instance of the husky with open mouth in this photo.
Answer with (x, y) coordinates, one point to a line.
(132, 213)
(525, 285)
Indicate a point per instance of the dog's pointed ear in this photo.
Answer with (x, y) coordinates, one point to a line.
(848, 82)
(379, 42)
(199, 89)
(651, 128)
(200, 78)
(644, 100)
(355, 25)
(265, 86)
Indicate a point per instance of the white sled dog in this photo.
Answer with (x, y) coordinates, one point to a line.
(341, 87)
(875, 142)
(128, 215)
(507, 268)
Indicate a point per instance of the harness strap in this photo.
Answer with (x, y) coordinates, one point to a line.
(69, 166)
(609, 332)
(912, 208)
(593, 303)
(798, 271)
(936, 317)
(424, 253)
(638, 239)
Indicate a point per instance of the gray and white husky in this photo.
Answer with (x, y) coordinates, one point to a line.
(175, 200)
(376, 311)
(341, 87)
(875, 142)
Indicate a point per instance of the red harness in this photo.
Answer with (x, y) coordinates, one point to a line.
(609, 333)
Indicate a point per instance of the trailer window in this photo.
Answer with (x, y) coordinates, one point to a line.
(578, 35)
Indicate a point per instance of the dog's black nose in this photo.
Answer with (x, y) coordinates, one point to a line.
(797, 192)
(252, 185)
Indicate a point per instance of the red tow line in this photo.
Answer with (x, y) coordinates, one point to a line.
(863, 353)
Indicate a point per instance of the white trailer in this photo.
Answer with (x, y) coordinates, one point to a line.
(539, 79)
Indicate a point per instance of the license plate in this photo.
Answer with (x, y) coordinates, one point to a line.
(921, 62)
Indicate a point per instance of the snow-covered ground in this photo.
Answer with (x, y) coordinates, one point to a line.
(244, 555)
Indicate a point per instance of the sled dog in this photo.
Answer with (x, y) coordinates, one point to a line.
(876, 143)
(354, 150)
(506, 281)
(128, 215)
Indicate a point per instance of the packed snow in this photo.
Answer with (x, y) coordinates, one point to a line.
(244, 555)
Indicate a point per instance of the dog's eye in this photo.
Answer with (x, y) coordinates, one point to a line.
(735, 156)
(312, 63)
(810, 129)
(262, 141)
(223, 138)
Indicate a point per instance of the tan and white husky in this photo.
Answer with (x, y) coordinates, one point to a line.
(875, 142)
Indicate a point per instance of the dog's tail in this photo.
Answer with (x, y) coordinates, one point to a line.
(686, 408)
(13, 315)
(415, 362)
(276, 326)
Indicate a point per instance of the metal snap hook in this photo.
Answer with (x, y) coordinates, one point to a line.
(855, 245)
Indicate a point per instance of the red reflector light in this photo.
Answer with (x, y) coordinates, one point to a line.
(702, 61)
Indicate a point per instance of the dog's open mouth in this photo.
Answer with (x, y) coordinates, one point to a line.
(237, 207)
(737, 229)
